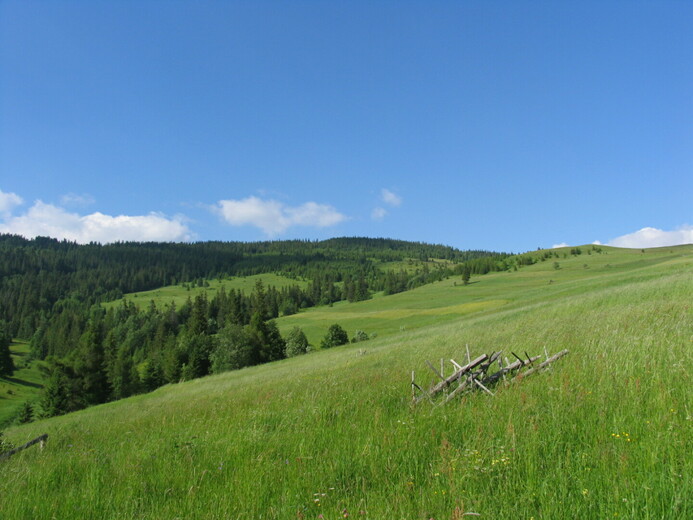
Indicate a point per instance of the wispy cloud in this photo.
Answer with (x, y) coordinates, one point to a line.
(556, 246)
(8, 201)
(274, 217)
(378, 213)
(49, 220)
(73, 199)
(653, 237)
(390, 198)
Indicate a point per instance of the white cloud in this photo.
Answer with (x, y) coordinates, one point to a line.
(49, 220)
(378, 213)
(8, 201)
(274, 217)
(562, 244)
(390, 198)
(653, 237)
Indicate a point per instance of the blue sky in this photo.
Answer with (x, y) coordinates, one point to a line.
(477, 124)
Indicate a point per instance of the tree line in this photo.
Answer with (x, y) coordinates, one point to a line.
(126, 350)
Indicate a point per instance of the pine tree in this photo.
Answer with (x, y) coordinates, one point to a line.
(58, 395)
(7, 367)
(90, 365)
(275, 346)
(466, 275)
(26, 413)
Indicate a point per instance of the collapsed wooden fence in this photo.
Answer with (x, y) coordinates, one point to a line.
(38, 440)
(479, 374)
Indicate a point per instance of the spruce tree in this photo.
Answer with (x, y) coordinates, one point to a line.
(7, 367)
(26, 413)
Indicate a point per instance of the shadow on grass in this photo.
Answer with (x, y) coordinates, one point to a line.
(21, 382)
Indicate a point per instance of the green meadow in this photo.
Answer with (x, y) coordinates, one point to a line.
(607, 432)
(24, 385)
(178, 294)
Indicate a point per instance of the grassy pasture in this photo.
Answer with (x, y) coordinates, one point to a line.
(179, 294)
(23, 386)
(606, 433)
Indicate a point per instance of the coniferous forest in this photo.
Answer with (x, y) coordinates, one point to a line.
(51, 294)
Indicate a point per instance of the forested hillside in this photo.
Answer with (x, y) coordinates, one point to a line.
(36, 274)
(51, 294)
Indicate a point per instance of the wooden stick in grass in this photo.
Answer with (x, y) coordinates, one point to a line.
(543, 365)
(434, 370)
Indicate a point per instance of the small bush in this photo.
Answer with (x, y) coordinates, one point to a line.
(359, 335)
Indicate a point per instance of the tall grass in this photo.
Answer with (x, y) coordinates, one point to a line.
(605, 433)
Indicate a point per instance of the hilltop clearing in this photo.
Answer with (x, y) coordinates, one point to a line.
(179, 294)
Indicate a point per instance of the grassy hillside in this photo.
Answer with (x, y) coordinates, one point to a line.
(606, 433)
(180, 293)
(449, 300)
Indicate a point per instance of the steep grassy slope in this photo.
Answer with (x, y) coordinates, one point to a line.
(605, 434)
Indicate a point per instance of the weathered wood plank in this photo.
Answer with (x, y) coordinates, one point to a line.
(460, 389)
(515, 365)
